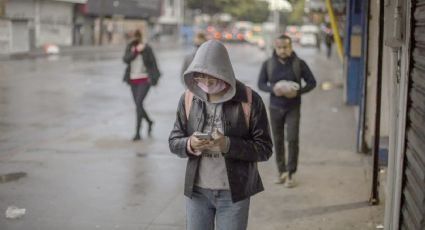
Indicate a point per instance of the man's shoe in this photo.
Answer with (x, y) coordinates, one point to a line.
(150, 124)
(282, 178)
(290, 182)
(136, 137)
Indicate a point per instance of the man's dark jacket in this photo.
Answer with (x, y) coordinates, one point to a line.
(284, 71)
(247, 145)
(148, 60)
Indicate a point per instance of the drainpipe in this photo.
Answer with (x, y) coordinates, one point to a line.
(374, 196)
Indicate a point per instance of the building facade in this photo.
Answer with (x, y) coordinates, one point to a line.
(113, 21)
(27, 24)
(393, 104)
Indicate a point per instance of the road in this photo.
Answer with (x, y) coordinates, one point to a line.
(67, 123)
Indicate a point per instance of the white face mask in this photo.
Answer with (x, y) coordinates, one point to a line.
(212, 89)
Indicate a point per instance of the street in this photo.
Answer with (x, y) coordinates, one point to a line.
(67, 122)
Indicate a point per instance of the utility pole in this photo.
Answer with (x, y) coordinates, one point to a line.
(101, 17)
(276, 19)
(2, 3)
(180, 20)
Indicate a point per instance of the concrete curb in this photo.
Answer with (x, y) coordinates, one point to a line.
(73, 50)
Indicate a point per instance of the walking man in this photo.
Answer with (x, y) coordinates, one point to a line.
(281, 76)
(222, 129)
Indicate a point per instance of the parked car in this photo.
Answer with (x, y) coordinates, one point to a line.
(309, 35)
(294, 33)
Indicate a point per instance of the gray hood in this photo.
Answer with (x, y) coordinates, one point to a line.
(211, 58)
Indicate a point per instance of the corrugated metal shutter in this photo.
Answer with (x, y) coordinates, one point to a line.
(413, 197)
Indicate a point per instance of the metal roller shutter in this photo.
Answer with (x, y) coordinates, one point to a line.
(413, 197)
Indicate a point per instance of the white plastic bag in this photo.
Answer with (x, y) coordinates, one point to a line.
(13, 212)
(288, 88)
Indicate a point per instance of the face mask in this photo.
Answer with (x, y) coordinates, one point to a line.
(212, 89)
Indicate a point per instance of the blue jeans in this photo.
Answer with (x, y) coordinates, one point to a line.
(209, 207)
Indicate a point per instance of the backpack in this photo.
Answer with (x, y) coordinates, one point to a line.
(296, 67)
(246, 106)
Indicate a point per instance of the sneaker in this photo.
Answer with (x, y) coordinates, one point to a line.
(281, 179)
(290, 182)
(137, 137)
(150, 124)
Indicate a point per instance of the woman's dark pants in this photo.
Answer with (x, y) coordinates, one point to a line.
(139, 93)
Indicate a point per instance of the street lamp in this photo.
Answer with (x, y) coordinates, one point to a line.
(276, 6)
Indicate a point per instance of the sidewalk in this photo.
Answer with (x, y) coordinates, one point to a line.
(73, 50)
(70, 132)
(333, 180)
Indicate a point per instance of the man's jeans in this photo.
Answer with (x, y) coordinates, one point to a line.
(209, 207)
(280, 118)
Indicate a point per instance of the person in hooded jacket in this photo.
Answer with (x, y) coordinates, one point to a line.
(221, 173)
(141, 73)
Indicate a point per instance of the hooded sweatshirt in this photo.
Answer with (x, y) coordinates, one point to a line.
(212, 58)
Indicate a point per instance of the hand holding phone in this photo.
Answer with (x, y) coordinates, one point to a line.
(203, 136)
(200, 141)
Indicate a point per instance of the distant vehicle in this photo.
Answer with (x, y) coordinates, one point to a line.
(294, 33)
(256, 36)
(233, 35)
(243, 25)
(309, 35)
(225, 34)
(213, 33)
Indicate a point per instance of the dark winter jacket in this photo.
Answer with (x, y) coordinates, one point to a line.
(284, 71)
(148, 60)
(248, 145)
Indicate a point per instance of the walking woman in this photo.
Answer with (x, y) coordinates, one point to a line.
(141, 73)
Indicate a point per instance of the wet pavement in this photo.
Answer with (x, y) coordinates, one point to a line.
(66, 122)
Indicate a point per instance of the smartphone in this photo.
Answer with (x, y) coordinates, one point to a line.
(203, 136)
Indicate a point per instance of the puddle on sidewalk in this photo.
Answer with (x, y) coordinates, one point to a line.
(109, 143)
(12, 177)
(141, 154)
(328, 85)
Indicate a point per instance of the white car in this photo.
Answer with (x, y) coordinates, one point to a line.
(309, 35)
(308, 39)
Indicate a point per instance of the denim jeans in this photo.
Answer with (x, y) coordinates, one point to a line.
(289, 119)
(208, 208)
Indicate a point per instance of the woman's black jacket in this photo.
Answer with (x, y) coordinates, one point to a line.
(148, 60)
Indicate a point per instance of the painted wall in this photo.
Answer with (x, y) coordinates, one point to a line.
(51, 20)
(55, 24)
(5, 35)
(20, 9)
